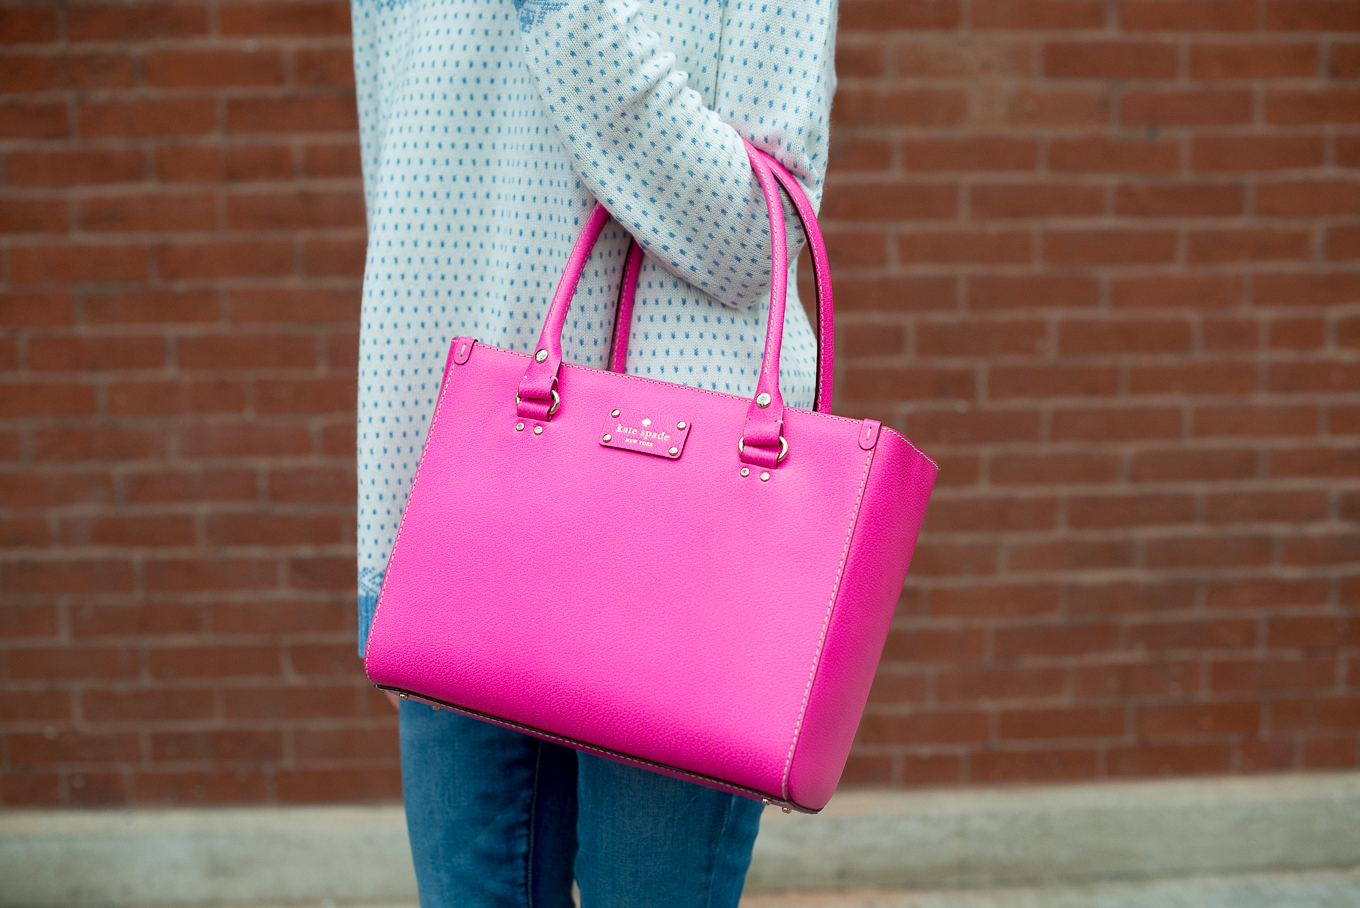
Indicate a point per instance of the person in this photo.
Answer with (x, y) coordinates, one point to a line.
(487, 129)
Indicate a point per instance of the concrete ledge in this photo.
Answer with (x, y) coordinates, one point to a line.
(863, 840)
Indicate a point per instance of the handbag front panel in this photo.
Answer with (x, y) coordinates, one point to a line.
(667, 608)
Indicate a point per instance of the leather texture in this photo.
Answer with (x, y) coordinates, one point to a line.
(663, 610)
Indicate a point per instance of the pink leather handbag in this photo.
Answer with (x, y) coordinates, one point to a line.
(693, 582)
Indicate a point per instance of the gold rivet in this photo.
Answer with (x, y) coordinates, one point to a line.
(519, 427)
(607, 437)
(674, 451)
(745, 471)
(680, 425)
(403, 696)
(787, 809)
(433, 707)
(762, 399)
(764, 477)
(765, 801)
(540, 356)
(615, 413)
(538, 430)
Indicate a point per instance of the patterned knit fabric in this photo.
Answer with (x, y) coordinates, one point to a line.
(488, 128)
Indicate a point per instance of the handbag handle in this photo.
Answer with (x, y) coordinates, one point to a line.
(821, 270)
(762, 443)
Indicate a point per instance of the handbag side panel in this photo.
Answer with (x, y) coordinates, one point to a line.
(900, 482)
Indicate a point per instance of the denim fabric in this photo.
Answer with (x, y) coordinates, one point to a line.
(498, 819)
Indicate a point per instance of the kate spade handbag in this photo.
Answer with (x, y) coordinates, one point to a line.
(697, 583)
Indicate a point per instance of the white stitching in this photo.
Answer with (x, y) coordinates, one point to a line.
(826, 623)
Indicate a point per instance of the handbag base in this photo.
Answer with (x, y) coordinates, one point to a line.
(673, 772)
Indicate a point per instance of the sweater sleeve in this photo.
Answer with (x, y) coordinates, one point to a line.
(669, 167)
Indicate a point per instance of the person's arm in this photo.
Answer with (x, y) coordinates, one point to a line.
(671, 169)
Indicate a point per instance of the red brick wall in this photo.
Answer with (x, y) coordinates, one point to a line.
(1102, 259)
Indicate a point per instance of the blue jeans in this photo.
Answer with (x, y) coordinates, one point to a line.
(499, 819)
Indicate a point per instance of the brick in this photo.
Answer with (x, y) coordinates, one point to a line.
(137, 619)
(1253, 61)
(1178, 291)
(974, 426)
(226, 786)
(991, 601)
(875, 339)
(1197, 378)
(248, 351)
(51, 487)
(1187, 15)
(938, 769)
(65, 72)
(168, 117)
(1031, 106)
(1109, 60)
(889, 383)
(1323, 713)
(1186, 108)
(1303, 106)
(98, 443)
(307, 19)
(1007, 514)
(1061, 723)
(1339, 462)
(1343, 243)
(320, 395)
(1248, 245)
(973, 337)
(1255, 756)
(71, 262)
(854, 153)
(324, 659)
(1163, 466)
(289, 211)
(311, 486)
(1136, 679)
(290, 306)
(1032, 765)
(1052, 381)
(35, 216)
(1343, 60)
(34, 120)
(326, 67)
(1230, 334)
(1069, 555)
(974, 154)
(952, 247)
(1259, 420)
(1098, 155)
(1331, 752)
(102, 354)
(152, 307)
(347, 744)
(933, 559)
(896, 294)
(1265, 593)
(1130, 597)
(918, 645)
(65, 747)
(129, 530)
(170, 485)
(978, 56)
(999, 684)
(1213, 154)
(857, 106)
(1310, 15)
(271, 529)
(158, 705)
(1348, 150)
(97, 789)
(49, 399)
(69, 662)
(1255, 507)
(1199, 552)
(291, 616)
(322, 113)
(1055, 640)
(142, 22)
(206, 68)
(1035, 201)
(1108, 247)
(187, 261)
(333, 161)
(244, 440)
(1038, 14)
(1123, 424)
(234, 746)
(321, 573)
(216, 661)
(74, 167)
(314, 701)
(1308, 199)
(1111, 511)
(176, 397)
(1194, 635)
(382, 785)
(1046, 469)
(36, 706)
(1312, 632)
(29, 621)
(1032, 291)
(27, 26)
(935, 727)
(26, 310)
(147, 213)
(889, 201)
(213, 164)
(1169, 759)
(205, 574)
(1180, 200)
(1334, 548)
(1122, 336)
(1260, 675)
(1313, 377)
(334, 257)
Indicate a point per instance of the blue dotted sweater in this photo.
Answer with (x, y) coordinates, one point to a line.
(488, 127)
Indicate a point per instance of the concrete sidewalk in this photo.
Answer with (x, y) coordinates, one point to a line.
(1286, 841)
